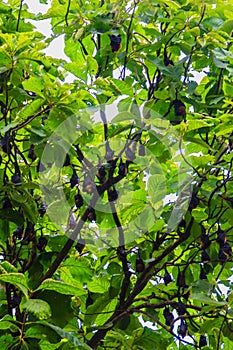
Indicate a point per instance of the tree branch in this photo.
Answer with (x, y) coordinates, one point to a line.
(146, 275)
(140, 284)
(121, 255)
(19, 14)
(65, 250)
(67, 12)
(168, 329)
(29, 119)
(122, 76)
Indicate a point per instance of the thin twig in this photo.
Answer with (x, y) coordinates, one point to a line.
(128, 34)
(220, 332)
(168, 329)
(29, 119)
(187, 162)
(148, 273)
(67, 12)
(19, 14)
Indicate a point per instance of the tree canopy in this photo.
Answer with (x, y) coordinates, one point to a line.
(116, 188)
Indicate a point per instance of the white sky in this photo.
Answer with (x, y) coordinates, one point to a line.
(35, 6)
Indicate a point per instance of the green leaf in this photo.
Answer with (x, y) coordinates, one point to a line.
(98, 285)
(106, 313)
(178, 50)
(145, 217)
(11, 215)
(209, 325)
(31, 108)
(195, 141)
(38, 131)
(214, 22)
(61, 287)
(230, 299)
(37, 307)
(123, 87)
(17, 279)
(125, 116)
(227, 88)
(228, 26)
(202, 161)
(157, 187)
(68, 335)
(6, 267)
(95, 309)
(8, 127)
(92, 65)
(206, 300)
(197, 124)
(34, 85)
(46, 345)
(78, 70)
(30, 211)
(201, 286)
(8, 325)
(24, 346)
(7, 341)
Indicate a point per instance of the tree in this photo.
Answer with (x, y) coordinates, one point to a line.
(116, 192)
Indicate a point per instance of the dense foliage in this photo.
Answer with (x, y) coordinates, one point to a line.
(116, 189)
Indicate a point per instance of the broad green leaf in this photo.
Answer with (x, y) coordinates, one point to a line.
(209, 325)
(106, 313)
(46, 345)
(92, 65)
(230, 299)
(123, 87)
(202, 161)
(30, 211)
(206, 300)
(125, 116)
(6, 267)
(77, 70)
(34, 85)
(17, 279)
(195, 141)
(32, 108)
(96, 309)
(201, 286)
(145, 217)
(11, 215)
(228, 26)
(197, 124)
(157, 187)
(38, 131)
(9, 126)
(24, 346)
(6, 341)
(227, 88)
(80, 269)
(61, 287)
(37, 307)
(68, 335)
(4, 325)
(98, 285)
